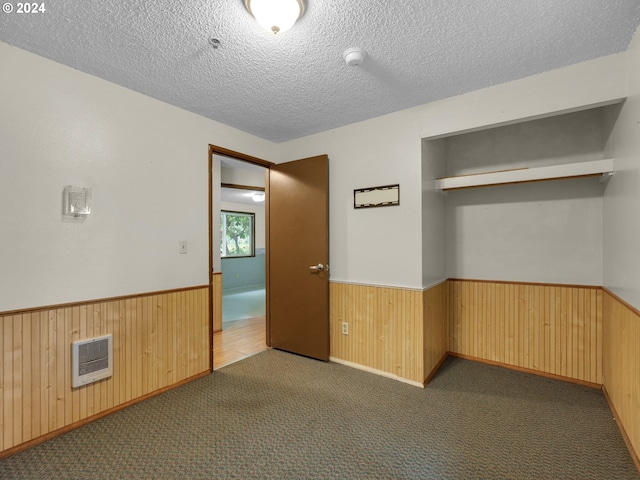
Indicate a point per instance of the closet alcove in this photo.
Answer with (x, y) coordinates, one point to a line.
(513, 218)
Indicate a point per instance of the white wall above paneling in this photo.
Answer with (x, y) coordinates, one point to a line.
(574, 88)
(365, 244)
(433, 213)
(538, 232)
(561, 139)
(378, 246)
(548, 232)
(146, 162)
(622, 195)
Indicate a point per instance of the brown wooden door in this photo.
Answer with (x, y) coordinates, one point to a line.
(298, 249)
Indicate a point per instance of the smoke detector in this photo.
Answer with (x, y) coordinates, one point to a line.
(353, 56)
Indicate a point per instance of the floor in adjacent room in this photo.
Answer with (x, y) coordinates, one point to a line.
(243, 327)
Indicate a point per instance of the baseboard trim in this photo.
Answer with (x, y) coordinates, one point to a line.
(375, 371)
(527, 370)
(625, 437)
(435, 369)
(56, 433)
(464, 357)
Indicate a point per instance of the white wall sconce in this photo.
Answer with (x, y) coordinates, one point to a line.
(258, 197)
(276, 16)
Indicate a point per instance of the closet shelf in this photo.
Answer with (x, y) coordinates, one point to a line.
(524, 175)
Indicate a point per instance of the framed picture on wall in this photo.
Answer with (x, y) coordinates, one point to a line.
(383, 196)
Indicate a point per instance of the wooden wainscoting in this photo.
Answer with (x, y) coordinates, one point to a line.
(159, 340)
(621, 352)
(547, 328)
(385, 329)
(217, 301)
(435, 343)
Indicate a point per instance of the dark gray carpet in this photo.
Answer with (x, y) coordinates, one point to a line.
(277, 415)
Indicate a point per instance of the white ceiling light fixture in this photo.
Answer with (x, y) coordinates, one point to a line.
(277, 16)
(258, 197)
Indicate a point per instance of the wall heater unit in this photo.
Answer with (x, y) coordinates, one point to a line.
(92, 360)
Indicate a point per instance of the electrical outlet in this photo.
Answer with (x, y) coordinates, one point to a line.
(345, 328)
(182, 246)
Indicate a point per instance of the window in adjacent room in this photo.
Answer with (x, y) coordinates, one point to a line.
(237, 234)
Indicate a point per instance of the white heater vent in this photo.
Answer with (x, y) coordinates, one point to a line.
(92, 360)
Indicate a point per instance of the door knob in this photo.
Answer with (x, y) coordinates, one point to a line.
(316, 268)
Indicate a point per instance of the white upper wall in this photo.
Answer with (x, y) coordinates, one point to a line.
(433, 214)
(384, 245)
(622, 195)
(379, 246)
(547, 232)
(146, 162)
(563, 90)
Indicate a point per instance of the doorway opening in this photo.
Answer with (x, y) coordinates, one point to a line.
(297, 253)
(238, 254)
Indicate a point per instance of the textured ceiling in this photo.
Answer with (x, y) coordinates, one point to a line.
(289, 86)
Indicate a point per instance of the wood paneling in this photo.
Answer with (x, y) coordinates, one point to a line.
(159, 340)
(546, 328)
(385, 328)
(435, 328)
(621, 352)
(217, 301)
